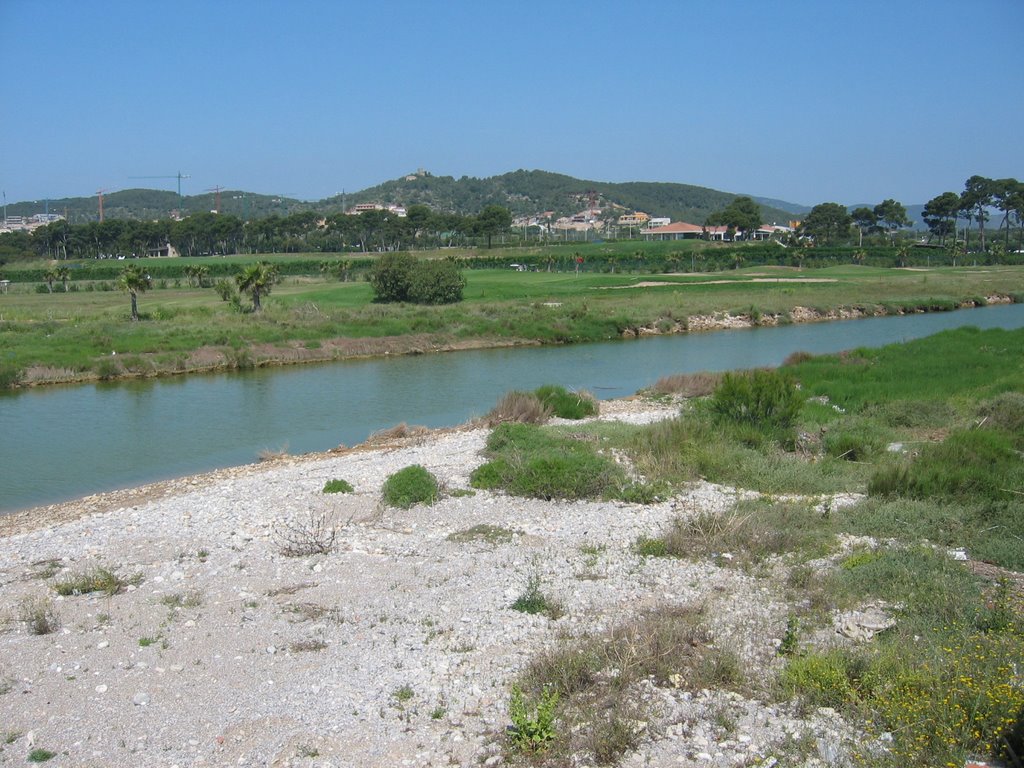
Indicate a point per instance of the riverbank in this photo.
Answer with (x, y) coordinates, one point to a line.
(396, 648)
(214, 359)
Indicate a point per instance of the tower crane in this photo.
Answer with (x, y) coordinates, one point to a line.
(99, 195)
(216, 188)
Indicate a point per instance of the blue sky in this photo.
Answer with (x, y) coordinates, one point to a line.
(823, 100)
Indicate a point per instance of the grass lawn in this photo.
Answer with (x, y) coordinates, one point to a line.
(68, 336)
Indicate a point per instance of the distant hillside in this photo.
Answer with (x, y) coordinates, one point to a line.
(522, 192)
(525, 192)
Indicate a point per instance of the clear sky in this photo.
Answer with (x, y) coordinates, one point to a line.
(807, 101)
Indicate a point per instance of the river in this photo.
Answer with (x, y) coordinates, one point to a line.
(58, 443)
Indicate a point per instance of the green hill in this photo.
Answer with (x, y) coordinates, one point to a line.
(522, 192)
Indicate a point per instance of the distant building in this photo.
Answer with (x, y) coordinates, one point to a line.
(678, 230)
(661, 221)
(635, 219)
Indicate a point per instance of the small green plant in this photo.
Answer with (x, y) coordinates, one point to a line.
(95, 580)
(533, 601)
(145, 642)
(403, 693)
(565, 404)
(39, 755)
(409, 486)
(533, 722)
(338, 486)
(182, 600)
(791, 637)
(305, 750)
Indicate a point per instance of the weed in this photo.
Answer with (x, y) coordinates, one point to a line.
(271, 454)
(409, 486)
(791, 637)
(39, 614)
(767, 400)
(95, 580)
(145, 642)
(305, 750)
(403, 693)
(39, 755)
(312, 536)
(338, 486)
(688, 384)
(533, 601)
(533, 721)
(438, 712)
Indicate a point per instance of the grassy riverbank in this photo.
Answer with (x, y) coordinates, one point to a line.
(85, 334)
(931, 432)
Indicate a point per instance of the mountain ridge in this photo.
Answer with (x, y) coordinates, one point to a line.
(524, 192)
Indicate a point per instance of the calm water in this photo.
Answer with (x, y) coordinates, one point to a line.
(64, 442)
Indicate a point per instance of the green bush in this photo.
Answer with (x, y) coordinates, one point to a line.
(409, 486)
(435, 282)
(390, 277)
(529, 461)
(768, 400)
(854, 440)
(565, 404)
(338, 486)
(10, 376)
(1005, 412)
(821, 679)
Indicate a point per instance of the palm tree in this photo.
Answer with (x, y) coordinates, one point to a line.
(63, 274)
(50, 276)
(257, 280)
(135, 281)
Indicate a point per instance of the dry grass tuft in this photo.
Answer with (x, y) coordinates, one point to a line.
(519, 407)
(698, 384)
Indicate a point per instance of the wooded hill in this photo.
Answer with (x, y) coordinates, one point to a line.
(522, 192)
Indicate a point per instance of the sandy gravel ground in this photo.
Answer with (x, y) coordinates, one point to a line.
(397, 648)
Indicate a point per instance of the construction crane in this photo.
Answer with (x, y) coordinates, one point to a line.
(216, 188)
(179, 176)
(99, 194)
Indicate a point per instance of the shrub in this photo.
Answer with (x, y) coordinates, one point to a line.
(435, 282)
(301, 538)
(409, 486)
(391, 275)
(526, 461)
(821, 679)
(338, 486)
(566, 404)
(768, 400)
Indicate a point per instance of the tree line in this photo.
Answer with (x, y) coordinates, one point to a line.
(832, 223)
(209, 234)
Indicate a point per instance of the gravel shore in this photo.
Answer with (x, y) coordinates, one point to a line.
(396, 648)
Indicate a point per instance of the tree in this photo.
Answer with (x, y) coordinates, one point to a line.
(63, 274)
(940, 215)
(1004, 197)
(493, 220)
(893, 215)
(741, 215)
(866, 220)
(976, 197)
(826, 223)
(50, 276)
(257, 280)
(135, 281)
